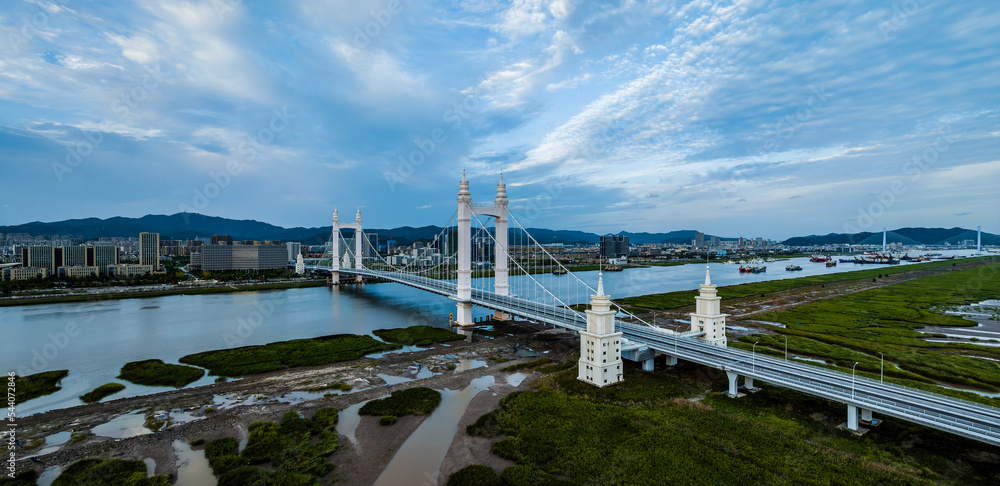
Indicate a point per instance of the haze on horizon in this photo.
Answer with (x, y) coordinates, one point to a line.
(755, 118)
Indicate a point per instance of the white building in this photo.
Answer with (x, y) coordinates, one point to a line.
(300, 265)
(708, 317)
(600, 345)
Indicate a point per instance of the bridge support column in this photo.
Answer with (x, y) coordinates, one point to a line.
(866, 415)
(748, 383)
(671, 360)
(647, 365)
(852, 417)
(733, 387)
(358, 246)
(463, 311)
(501, 284)
(335, 249)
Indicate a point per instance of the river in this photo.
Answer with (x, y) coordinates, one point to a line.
(94, 339)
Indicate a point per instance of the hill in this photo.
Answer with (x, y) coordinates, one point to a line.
(906, 236)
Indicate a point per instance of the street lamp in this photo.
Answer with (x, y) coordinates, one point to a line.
(853, 377)
(786, 346)
(881, 367)
(753, 358)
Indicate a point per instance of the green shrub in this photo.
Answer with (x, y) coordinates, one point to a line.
(153, 372)
(248, 360)
(411, 401)
(102, 391)
(197, 442)
(95, 471)
(417, 335)
(387, 420)
(37, 385)
(474, 475)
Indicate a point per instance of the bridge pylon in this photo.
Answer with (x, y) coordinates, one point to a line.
(335, 261)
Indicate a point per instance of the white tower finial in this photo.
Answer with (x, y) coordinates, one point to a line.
(600, 283)
(336, 215)
(357, 216)
(708, 281)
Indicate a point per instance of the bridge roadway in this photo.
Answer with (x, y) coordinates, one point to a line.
(968, 419)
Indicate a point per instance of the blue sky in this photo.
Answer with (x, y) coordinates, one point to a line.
(752, 118)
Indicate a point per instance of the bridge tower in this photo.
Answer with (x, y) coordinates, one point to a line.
(708, 317)
(335, 246)
(501, 282)
(600, 346)
(463, 311)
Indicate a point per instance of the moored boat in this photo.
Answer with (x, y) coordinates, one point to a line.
(793, 268)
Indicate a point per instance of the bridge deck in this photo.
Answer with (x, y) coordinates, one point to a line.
(968, 419)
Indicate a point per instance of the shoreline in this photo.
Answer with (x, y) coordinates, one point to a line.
(357, 462)
(112, 295)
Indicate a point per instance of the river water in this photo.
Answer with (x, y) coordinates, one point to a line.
(94, 339)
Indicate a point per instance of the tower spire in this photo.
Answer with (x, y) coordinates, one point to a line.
(708, 281)
(600, 283)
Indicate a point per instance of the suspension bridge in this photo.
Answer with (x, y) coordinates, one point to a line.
(480, 261)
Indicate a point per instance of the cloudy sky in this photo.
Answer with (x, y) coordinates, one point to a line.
(754, 118)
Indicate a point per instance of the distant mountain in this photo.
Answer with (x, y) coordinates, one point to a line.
(184, 226)
(906, 236)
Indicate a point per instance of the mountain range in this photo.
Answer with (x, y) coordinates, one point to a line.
(184, 226)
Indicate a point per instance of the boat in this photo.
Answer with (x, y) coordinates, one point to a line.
(753, 269)
(820, 258)
(559, 271)
(831, 263)
(613, 268)
(793, 268)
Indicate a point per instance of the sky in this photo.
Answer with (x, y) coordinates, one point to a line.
(735, 118)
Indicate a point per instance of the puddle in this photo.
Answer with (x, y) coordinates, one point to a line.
(424, 373)
(123, 427)
(179, 416)
(150, 466)
(803, 358)
(297, 397)
(393, 380)
(766, 323)
(192, 467)
(418, 460)
(466, 364)
(515, 379)
(348, 420)
(48, 475)
(52, 444)
(525, 353)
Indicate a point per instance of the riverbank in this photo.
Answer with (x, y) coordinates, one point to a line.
(114, 293)
(227, 408)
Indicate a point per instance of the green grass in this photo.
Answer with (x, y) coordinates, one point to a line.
(529, 364)
(682, 298)
(857, 327)
(291, 453)
(417, 334)
(95, 471)
(474, 475)
(387, 420)
(411, 401)
(153, 372)
(102, 391)
(644, 431)
(344, 387)
(37, 385)
(248, 360)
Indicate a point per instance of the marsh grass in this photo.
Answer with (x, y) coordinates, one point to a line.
(37, 385)
(153, 372)
(102, 391)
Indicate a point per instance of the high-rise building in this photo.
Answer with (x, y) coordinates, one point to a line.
(242, 257)
(74, 256)
(293, 250)
(102, 256)
(699, 240)
(39, 257)
(222, 240)
(149, 250)
(614, 246)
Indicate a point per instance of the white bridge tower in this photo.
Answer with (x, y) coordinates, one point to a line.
(501, 283)
(335, 246)
(600, 346)
(707, 316)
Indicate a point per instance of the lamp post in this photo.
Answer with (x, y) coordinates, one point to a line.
(881, 367)
(853, 377)
(753, 358)
(786, 346)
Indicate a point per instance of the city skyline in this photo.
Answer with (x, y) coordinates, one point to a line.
(778, 120)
